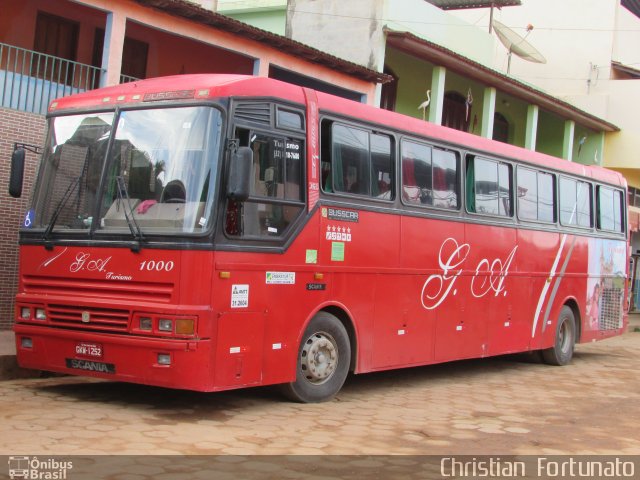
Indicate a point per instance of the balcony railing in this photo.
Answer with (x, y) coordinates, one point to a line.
(30, 80)
(127, 78)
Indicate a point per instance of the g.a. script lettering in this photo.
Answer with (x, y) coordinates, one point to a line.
(84, 261)
(490, 277)
(489, 274)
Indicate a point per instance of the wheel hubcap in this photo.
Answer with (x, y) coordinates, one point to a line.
(564, 337)
(319, 357)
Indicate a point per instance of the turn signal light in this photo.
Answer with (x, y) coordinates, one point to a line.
(185, 326)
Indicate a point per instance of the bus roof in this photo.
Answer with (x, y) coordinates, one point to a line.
(206, 86)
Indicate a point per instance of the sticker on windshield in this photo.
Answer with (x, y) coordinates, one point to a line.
(28, 219)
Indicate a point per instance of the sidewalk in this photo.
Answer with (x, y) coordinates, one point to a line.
(9, 368)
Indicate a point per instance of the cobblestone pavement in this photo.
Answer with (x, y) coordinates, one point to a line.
(500, 406)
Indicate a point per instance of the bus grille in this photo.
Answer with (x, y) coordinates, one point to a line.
(611, 308)
(103, 319)
(123, 291)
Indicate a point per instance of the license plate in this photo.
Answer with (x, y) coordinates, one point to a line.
(93, 350)
(90, 365)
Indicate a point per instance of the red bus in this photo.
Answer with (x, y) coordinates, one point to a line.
(211, 232)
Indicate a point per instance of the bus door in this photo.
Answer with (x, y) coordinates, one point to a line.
(240, 331)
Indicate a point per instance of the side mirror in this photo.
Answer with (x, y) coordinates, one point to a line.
(239, 181)
(17, 173)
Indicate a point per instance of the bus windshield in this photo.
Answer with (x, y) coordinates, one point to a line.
(152, 168)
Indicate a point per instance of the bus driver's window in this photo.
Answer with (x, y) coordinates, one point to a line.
(276, 195)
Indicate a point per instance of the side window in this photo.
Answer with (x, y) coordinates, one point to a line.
(609, 204)
(584, 202)
(381, 167)
(349, 159)
(489, 188)
(536, 199)
(429, 175)
(356, 161)
(575, 203)
(289, 119)
(276, 196)
(546, 197)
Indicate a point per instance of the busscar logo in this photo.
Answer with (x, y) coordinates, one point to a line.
(33, 468)
(343, 215)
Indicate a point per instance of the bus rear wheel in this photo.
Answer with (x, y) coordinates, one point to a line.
(323, 360)
(562, 350)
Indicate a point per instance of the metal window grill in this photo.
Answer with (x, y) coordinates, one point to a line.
(30, 80)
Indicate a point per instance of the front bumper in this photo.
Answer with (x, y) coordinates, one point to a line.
(123, 358)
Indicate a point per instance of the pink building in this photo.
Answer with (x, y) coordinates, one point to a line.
(53, 48)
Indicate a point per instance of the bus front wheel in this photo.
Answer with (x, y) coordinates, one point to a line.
(562, 350)
(323, 360)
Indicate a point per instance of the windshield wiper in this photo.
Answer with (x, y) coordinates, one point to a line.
(56, 213)
(123, 196)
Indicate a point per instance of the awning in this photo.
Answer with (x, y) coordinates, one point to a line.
(460, 4)
(632, 5)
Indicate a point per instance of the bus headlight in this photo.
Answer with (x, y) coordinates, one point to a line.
(41, 314)
(25, 313)
(165, 325)
(146, 323)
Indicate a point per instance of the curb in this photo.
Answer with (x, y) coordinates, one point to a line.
(10, 370)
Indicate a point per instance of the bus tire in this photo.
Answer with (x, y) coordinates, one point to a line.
(562, 350)
(323, 361)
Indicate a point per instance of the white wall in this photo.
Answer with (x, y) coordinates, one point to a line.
(626, 46)
(579, 39)
(439, 26)
(353, 29)
(349, 30)
(573, 36)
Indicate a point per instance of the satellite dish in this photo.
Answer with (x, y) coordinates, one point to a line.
(517, 44)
